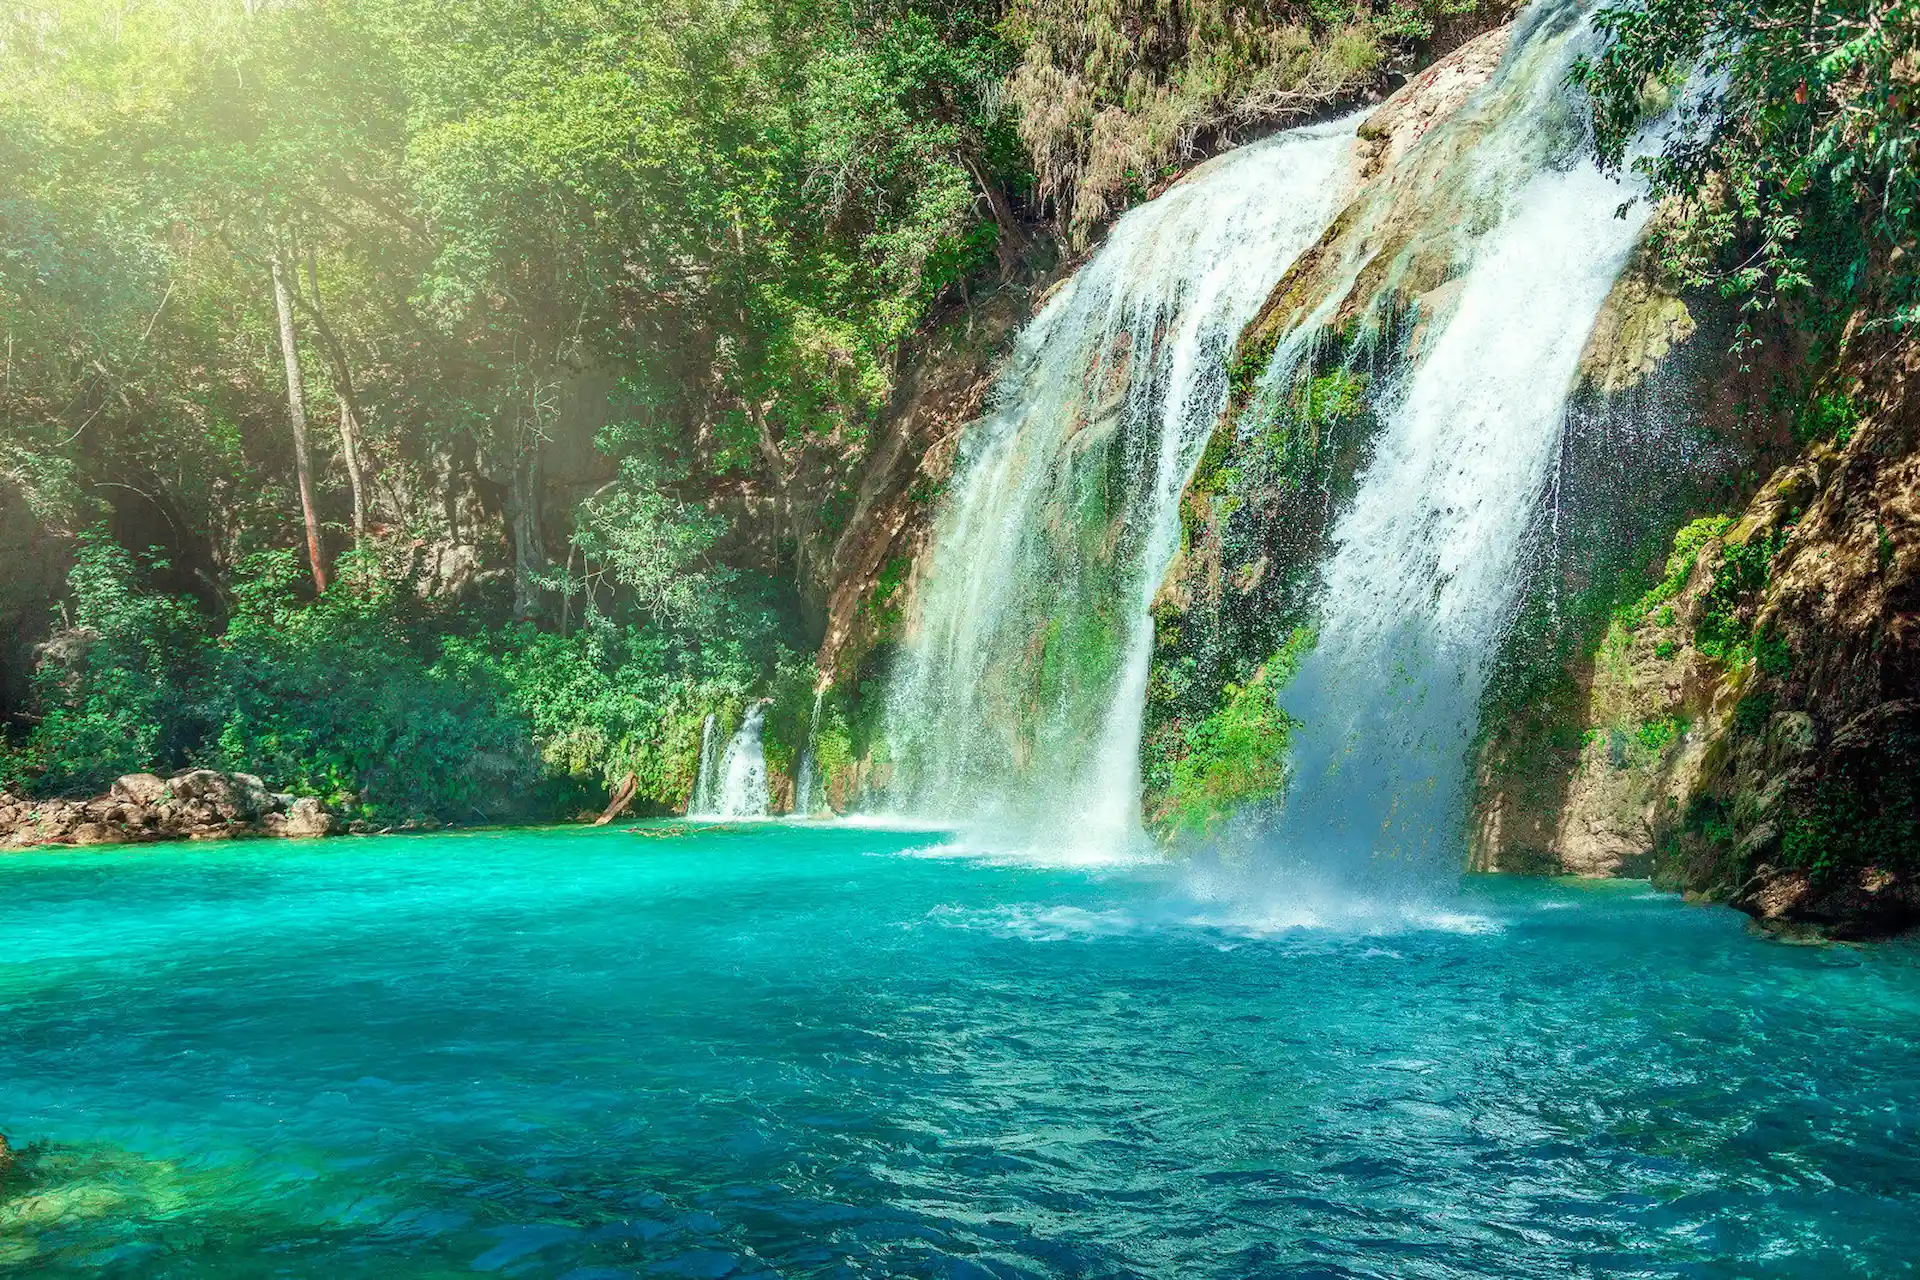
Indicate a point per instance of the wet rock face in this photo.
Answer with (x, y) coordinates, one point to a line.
(1865, 903)
(197, 804)
(1756, 739)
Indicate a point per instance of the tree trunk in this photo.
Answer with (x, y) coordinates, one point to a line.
(297, 412)
(1012, 240)
(801, 520)
(350, 451)
(349, 404)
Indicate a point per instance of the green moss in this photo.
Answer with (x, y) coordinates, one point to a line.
(1686, 551)
(1237, 755)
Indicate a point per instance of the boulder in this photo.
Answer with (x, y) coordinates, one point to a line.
(209, 792)
(97, 833)
(253, 795)
(54, 820)
(308, 818)
(1866, 903)
(138, 788)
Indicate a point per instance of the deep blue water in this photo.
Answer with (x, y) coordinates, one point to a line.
(820, 1052)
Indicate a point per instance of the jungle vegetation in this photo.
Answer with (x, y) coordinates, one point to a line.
(428, 404)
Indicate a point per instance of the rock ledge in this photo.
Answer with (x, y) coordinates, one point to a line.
(194, 804)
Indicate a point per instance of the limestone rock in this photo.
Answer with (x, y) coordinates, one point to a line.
(210, 795)
(308, 818)
(1430, 97)
(1870, 902)
(138, 788)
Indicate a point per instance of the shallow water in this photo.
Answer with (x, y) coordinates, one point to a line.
(804, 1052)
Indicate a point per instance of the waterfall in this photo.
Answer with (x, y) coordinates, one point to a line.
(703, 798)
(743, 769)
(805, 783)
(733, 783)
(1019, 696)
(1427, 564)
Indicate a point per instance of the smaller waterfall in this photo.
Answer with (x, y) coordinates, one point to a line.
(806, 800)
(743, 771)
(702, 800)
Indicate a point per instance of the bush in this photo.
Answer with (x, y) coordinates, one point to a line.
(122, 686)
(345, 697)
(376, 700)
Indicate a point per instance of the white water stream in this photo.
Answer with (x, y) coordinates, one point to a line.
(1019, 700)
(1427, 564)
(737, 786)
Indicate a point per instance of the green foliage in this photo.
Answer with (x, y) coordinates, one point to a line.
(1865, 810)
(635, 537)
(885, 605)
(1725, 629)
(1111, 93)
(1802, 180)
(1237, 755)
(343, 699)
(1830, 416)
(1751, 713)
(1687, 544)
(1656, 735)
(377, 702)
(124, 686)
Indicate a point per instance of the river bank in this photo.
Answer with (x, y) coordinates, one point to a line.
(193, 804)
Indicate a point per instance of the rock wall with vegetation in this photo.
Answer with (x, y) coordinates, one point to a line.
(1737, 721)
(1743, 729)
(1235, 610)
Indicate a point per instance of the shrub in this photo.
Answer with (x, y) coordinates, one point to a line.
(121, 687)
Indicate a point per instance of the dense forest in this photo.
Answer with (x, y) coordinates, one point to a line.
(441, 409)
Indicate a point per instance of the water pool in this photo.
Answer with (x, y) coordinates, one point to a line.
(820, 1051)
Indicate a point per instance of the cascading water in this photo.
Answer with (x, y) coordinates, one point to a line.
(1019, 698)
(1427, 563)
(739, 783)
(704, 799)
(806, 777)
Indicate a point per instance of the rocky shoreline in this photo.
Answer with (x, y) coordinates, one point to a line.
(194, 804)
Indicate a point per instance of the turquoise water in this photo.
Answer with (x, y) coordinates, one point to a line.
(823, 1052)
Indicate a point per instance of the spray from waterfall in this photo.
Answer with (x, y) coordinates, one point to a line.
(1019, 699)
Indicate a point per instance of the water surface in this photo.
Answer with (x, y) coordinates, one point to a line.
(829, 1052)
